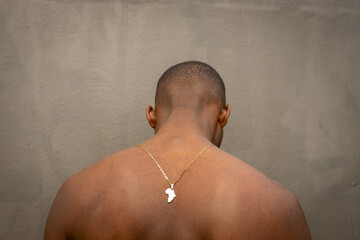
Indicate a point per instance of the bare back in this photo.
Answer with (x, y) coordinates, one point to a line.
(219, 197)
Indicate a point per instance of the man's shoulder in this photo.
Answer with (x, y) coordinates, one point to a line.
(256, 182)
(84, 182)
(76, 197)
(269, 201)
(246, 175)
(100, 168)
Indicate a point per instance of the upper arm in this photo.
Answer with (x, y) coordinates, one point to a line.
(60, 214)
(287, 217)
(294, 219)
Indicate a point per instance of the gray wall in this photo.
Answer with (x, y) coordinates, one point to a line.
(77, 75)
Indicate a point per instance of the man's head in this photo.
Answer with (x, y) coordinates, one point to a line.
(192, 87)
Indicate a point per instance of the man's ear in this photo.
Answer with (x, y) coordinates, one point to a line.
(151, 116)
(224, 115)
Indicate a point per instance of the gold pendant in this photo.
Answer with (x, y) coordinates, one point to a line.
(171, 193)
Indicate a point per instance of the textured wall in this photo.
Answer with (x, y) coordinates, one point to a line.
(75, 77)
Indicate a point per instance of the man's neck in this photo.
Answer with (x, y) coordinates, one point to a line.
(182, 126)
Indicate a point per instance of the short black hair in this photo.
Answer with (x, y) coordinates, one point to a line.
(190, 85)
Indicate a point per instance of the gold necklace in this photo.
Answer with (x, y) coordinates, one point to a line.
(170, 191)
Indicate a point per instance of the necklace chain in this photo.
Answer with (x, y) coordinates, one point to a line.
(162, 171)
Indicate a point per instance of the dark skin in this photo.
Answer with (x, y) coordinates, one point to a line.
(219, 197)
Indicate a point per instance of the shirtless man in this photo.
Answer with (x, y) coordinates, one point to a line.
(218, 196)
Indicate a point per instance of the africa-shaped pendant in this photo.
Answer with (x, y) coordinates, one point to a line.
(171, 193)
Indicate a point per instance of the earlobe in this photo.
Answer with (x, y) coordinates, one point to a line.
(151, 116)
(224, 115)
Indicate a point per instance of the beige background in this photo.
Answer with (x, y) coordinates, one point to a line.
(77, 75)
